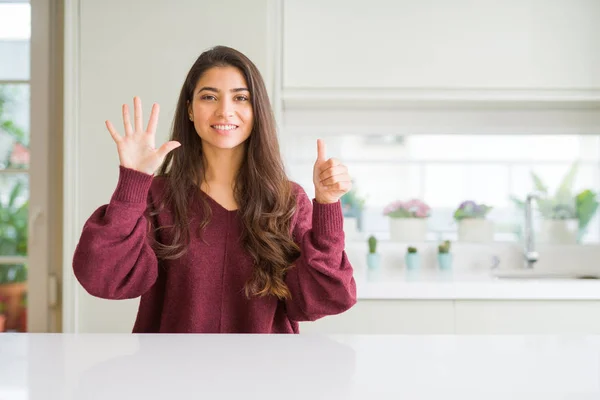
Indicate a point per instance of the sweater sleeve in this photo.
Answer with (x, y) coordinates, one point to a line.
(321, 281)
(114, 258)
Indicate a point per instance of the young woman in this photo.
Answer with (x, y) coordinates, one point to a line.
(219, 240)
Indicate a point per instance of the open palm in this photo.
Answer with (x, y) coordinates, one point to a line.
(137, 148)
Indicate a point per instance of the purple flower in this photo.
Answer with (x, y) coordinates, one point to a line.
(470, 209)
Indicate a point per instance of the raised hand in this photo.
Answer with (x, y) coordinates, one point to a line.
(137, 148)
(330, 177)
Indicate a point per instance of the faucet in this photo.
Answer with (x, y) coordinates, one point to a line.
(531, 256)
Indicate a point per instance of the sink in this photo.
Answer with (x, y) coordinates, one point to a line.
(540, 274)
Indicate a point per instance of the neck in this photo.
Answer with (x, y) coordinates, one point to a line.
(222, 165)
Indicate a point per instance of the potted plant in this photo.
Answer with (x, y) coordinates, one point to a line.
(13, 241)
(352, 210)
(408, 220)
(472, 223)
(412, 258)
(565, 216)
(373, 258)
(444, 256)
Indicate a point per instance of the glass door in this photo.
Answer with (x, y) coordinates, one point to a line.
(15, 34)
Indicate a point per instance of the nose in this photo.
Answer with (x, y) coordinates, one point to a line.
(225, 108)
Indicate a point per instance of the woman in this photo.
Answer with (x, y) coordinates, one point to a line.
(220, 240)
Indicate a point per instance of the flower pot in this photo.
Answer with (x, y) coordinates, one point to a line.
(406, 230)
(12, 294)
(373, 260)
(413, 261)
(23, 320)
(445, 261)
(2, 322)
(477, 230)
(559, 231)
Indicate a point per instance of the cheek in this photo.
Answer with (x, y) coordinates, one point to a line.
(247, 115)
(202, 112)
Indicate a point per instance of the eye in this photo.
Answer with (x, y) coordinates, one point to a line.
(241, 98)
(209, 97)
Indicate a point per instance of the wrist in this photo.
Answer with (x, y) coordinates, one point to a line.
(324, 201)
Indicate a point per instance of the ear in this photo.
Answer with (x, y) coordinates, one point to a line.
(190, 112)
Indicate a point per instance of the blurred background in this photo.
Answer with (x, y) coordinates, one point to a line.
(448, 114)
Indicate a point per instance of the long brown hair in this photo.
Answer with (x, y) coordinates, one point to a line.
(262, 190)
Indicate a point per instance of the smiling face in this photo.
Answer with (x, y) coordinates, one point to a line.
(221, 109)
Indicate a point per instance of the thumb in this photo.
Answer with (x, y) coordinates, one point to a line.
(166, 148)
(321, 149)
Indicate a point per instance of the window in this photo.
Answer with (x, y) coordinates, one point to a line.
(15, 28)
(445, 170)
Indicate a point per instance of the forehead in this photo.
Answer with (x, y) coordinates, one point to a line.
(222, 77)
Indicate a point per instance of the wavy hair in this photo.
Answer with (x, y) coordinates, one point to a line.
(262, 190)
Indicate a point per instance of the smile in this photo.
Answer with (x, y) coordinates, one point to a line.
(224, 127)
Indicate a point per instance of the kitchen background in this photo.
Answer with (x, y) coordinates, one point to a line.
(439, 101)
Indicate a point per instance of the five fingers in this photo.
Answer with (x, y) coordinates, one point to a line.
(138, 120)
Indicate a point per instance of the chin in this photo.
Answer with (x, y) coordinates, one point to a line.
(224, 143)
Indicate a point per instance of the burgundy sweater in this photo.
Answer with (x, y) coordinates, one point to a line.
(203, 291)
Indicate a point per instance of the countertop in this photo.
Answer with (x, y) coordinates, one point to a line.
(126, 366)
(389, 284)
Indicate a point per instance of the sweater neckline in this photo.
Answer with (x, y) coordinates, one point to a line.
(216, 203)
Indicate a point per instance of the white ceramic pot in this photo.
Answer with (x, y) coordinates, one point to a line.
(558, 231)
(408, 230)
(477, 230)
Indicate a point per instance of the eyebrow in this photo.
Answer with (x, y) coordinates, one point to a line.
(212, 89)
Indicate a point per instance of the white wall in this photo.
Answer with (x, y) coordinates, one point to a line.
(142, 48)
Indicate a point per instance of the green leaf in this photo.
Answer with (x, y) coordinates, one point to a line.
(538, 184)
(587, 205)
(564, 193)
(520, 204)
(14, 194)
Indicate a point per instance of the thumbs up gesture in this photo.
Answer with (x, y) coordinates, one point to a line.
(330, 177)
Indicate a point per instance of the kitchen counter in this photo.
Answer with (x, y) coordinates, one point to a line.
(126, 366)
(471, 277)
(468, 285)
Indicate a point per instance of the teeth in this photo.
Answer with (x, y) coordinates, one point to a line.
(224, 127)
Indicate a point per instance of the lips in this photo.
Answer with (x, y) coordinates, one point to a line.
(224, 127)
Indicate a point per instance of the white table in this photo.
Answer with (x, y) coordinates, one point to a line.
(101, 366)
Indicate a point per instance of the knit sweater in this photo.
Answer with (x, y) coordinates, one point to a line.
(203, 291)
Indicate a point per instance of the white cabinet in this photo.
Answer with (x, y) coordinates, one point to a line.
(388, 317)
(461, 44)
(483, 317)
(527, 317)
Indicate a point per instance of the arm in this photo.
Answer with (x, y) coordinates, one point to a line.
(321, 281)
(114, 258)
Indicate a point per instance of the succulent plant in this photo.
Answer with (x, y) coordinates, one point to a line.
(372, 244)
(444, 247)
(411, 250)
(352, 200)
